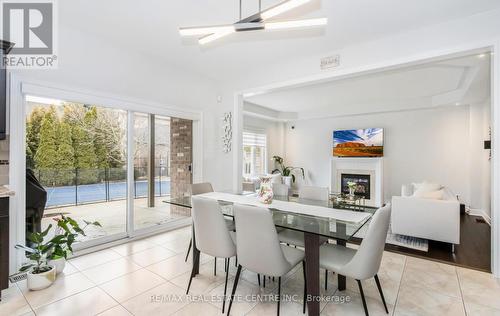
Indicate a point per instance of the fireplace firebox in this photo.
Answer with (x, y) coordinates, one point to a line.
(362, 184)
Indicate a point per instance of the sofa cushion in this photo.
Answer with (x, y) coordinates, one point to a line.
(433, 195)
(427, 187)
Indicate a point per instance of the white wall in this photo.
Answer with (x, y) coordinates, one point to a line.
(479, 162)
(421, 43)
(275, 132)
(88, 62)
(431, 144)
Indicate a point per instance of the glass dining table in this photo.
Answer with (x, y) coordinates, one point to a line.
(316, 230)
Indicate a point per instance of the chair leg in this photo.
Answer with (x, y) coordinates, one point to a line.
(226, 264)
(192, 273)
(305, 287)
(189, 249)
(264, 278)
(381, 293)
(258, 278)
(326, 280)
(235, 284)
(362, 297)
(225, 285)
(279, 295)
(215, 266)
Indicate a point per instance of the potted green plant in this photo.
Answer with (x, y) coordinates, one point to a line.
(286, 172)
(69, 230)
(40, 274)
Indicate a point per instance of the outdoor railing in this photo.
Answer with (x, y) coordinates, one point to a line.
(84, 186)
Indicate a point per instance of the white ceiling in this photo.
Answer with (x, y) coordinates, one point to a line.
(464, 80)
(151, 27)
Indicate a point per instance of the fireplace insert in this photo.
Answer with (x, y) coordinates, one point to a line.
(362, 184)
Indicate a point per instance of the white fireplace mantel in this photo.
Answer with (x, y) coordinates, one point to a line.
(372, 166)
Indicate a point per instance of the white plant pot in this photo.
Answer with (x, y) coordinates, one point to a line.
(287, 181)
(41, 281)
(59, 264)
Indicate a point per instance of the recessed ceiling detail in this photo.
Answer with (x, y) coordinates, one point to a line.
(462, 80)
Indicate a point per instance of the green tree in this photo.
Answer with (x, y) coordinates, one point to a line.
(84, 153)
(33, 126)
(98, 137)
(65, 157)
(47, 147)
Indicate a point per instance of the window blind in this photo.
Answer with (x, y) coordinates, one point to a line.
(254, 139)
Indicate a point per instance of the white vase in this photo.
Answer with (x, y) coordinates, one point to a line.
(41, 281)
(287, 181)
(59, 264)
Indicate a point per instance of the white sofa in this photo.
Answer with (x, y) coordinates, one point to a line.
(428, 218)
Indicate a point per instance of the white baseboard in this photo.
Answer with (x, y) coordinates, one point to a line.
(479, 212)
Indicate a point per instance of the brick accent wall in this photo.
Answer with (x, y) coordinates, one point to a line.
(181, 157)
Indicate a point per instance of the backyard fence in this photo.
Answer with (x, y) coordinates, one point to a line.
(82, 186)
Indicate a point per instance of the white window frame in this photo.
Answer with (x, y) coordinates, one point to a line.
(18, 88)
(252, 171)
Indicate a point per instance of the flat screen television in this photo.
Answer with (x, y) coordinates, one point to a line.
(368, 142)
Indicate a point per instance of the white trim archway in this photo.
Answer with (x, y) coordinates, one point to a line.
(493, 45)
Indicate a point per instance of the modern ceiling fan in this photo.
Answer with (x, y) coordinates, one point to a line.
(258, 21)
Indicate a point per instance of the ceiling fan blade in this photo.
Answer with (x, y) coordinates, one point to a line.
(295, 24)
(204, 30)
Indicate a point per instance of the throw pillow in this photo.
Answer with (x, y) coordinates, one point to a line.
(427, 186)
(433, 195)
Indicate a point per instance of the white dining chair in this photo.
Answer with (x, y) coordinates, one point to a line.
(200, 188)
(292, 237)
(259, 250)
(314, 193)
(364, 263)
(212, 236)
(280, 189)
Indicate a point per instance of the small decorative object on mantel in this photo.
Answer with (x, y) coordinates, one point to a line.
(266, 191)
(352, 188)
(227, 132)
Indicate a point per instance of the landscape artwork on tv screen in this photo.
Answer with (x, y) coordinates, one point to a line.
(368, 142)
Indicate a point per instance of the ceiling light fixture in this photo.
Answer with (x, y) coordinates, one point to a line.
(295, 24)
(253, 23)
(204, 30)
(215, 36)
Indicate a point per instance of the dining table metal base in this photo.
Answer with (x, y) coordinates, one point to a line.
(312, 243)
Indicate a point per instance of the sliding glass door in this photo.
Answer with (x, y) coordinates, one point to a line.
(77, 153)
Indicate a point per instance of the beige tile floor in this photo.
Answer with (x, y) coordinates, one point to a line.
(149, 277)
